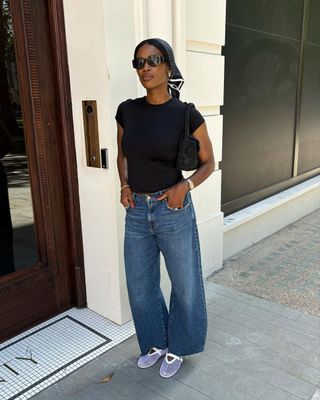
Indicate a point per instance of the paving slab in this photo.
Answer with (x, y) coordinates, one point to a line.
(260, 344)
(247, 357)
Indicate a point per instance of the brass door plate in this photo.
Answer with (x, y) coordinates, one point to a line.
(91, 133)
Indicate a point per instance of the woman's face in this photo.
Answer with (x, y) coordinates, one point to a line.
(152, 77)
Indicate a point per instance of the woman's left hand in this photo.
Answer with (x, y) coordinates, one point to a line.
(176, 194)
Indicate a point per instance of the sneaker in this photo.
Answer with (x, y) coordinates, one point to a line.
(151, 357)
(170, 367)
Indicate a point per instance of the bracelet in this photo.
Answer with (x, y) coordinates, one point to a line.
(191, 184)
(124, 186)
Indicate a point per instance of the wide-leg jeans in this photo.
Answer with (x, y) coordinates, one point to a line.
(153, 227)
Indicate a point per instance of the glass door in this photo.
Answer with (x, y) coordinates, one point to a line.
(41, 261)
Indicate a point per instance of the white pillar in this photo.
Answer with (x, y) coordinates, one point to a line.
(179, 33)
(159, 19)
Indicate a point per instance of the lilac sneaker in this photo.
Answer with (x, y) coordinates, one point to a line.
(151, 357)
(170, 367)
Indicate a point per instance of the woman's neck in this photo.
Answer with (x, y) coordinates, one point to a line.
(157, 98)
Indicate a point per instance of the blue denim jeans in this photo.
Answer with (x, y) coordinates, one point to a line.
(152, 227)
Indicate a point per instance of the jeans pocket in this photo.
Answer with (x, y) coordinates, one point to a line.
(186, 204)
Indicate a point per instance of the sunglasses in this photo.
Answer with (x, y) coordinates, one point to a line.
(153, 60)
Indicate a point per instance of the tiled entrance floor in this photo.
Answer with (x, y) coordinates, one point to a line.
(39, 357)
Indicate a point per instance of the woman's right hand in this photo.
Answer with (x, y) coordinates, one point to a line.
(126, 198)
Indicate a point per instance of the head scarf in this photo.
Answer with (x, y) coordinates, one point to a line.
(176, 80)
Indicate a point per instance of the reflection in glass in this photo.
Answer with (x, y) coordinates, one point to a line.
(18, 247)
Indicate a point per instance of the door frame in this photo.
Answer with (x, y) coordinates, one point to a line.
(56, 18)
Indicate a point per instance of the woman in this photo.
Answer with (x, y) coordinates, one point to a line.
(159, 213)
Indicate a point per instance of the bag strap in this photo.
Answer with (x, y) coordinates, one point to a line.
(186, 133)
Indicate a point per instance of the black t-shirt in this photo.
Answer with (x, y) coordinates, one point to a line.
(151, 139)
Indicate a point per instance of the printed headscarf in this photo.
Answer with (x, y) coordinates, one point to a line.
(176, 80)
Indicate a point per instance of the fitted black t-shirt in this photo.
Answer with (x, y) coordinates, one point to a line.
(150, 141)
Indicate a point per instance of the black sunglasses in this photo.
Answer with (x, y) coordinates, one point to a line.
(153, 60)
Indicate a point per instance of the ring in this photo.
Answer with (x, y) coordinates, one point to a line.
(127, 206)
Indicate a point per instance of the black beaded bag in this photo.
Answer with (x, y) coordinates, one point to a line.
(188, 159)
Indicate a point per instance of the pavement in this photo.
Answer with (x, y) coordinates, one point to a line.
(283, 268)
(24, 237)
(256, 347)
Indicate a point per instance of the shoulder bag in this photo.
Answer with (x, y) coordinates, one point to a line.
(188, 158)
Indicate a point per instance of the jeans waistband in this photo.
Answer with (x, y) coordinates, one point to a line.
(149, 196)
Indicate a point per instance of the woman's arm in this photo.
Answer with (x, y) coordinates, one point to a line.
(176, 194)
(205, 154)
(126, 195)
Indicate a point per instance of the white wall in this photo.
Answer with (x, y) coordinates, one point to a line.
(100, 40)
(92, 75)
(254, 223)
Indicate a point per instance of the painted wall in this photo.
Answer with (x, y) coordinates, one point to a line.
(100, 42)
(248, 226)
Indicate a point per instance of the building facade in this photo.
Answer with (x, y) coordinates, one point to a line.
(100, 42)
(68, 66)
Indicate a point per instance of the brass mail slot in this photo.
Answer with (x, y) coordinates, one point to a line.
(91, 134)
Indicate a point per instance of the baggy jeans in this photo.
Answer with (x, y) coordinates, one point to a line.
(153, 227)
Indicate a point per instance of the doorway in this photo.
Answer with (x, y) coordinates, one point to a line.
(41, 256)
